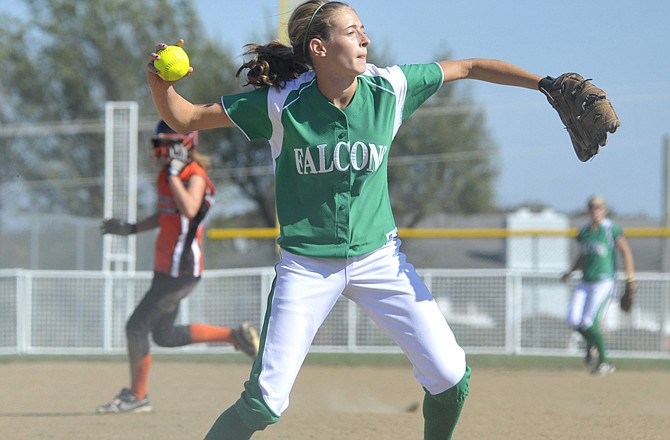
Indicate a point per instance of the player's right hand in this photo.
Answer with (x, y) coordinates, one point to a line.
(565, 277)
(151, 69)
(178, 157)
(116, 227)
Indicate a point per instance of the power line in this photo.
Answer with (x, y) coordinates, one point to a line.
(261, 170)
(74, 127)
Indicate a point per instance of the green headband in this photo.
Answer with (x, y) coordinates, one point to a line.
(304, 40)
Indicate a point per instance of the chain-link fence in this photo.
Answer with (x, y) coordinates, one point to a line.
(490, 311)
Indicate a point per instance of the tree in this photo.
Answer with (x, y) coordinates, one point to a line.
(66, 60)
(69, 57)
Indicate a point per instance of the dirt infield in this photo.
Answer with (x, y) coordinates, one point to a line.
(56, 400)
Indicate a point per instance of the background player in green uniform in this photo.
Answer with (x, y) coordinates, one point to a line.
(599, 241)
(330, 118)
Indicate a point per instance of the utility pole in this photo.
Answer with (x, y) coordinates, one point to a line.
(665, 256)
(286, 8)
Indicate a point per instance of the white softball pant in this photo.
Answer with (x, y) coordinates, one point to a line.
(388, 290)
(587, 303)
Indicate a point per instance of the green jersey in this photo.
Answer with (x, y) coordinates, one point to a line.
(599, 250)
(331, 164)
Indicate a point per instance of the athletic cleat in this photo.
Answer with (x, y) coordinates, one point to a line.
(591, 355)
(125, 402)
(246, 339)
(603, 369)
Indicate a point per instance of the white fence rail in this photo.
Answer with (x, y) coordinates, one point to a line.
(490, 311)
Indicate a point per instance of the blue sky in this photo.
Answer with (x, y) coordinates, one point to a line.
(620, 44)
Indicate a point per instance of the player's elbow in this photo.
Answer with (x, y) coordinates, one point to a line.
(190, 212)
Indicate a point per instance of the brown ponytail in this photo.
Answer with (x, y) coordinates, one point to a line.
(275, 63)
(272, 65)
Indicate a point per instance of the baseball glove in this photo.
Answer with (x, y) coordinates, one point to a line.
(628, 298)
(584, 110)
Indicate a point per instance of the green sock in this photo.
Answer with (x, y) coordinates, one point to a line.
(229, 426)
(596, 336)
(587, 337)
(441, 412)
(440, 419)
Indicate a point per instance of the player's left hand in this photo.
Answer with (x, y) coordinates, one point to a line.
(584, 109)
(628, 297)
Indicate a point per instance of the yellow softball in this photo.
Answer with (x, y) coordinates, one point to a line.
(173, 63)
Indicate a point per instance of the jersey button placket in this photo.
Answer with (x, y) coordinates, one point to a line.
(339, 208)
(345, 191)
(343, 219)
(342, 207)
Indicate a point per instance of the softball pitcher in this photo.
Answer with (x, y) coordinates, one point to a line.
(330, 119)
(599, 241)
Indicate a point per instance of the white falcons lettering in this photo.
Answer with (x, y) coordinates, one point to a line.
(361, 156)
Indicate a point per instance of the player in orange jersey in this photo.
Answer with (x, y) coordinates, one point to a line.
(185, 195)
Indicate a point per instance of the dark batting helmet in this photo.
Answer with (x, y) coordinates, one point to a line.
(164, 136)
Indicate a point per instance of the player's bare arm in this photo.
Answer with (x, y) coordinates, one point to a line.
(178, 112)
(576, 265)
(624, 248)
(188, 198)
(116, 226)
(493, 71)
